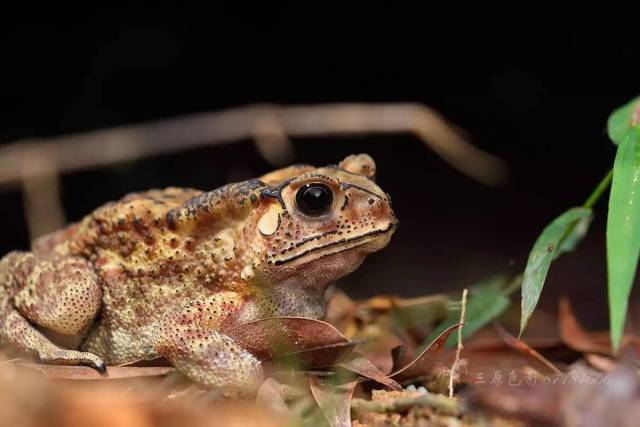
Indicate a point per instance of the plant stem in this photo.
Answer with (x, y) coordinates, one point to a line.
(595, 195)
(463, 318)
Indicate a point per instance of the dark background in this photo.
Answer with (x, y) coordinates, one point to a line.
(536, 94)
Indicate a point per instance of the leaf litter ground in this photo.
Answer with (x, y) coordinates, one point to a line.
(373, 362)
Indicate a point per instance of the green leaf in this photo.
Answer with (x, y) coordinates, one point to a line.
(623, 230)
(571, 240)
(561, 235)
(486, 302)
(420, 312)
(620, 121)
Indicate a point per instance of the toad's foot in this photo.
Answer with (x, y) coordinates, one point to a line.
(72, 357)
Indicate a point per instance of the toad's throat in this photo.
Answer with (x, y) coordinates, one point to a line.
(344, 244)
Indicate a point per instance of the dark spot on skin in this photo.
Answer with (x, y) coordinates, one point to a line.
(148, 239)
(138, 225)
(254, 198)
(171, 219)
(371, 200)
(346, 203)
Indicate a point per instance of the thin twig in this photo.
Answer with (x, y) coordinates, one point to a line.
(454, 367)
(262, 122)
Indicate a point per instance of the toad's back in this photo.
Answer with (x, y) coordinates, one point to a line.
(145, 268)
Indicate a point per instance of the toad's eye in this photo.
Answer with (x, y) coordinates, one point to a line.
(314, 199)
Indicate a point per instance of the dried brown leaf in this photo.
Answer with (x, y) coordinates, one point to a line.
(423, 363)
(334, 400)
(341, 313)
(526, 349)
(579, 398)
(85, 373)
(574, 335)
(601, 363)
(311, 343)
(359, 364)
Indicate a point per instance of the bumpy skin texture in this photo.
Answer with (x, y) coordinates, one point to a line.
(163, 273)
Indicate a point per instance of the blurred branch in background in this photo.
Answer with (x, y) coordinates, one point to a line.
(36, 163)
(41, 187)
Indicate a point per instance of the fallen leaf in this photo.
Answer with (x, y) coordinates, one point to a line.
(425, 360)
(575, 337)
(307, 342)
(60, 372)
(581, 397)
(601, 363)
(524, 348)
(359, 364)
(341, 313)
(334, 400)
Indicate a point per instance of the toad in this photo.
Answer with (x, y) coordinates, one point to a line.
(163, 273)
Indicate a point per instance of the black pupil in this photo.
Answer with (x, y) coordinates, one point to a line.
(314, 199)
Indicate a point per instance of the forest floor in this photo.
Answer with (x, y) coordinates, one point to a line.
(382, 361)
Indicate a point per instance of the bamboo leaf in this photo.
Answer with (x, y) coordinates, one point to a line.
(623, 229)
(571, 240)
(561, 235)
(620, 121)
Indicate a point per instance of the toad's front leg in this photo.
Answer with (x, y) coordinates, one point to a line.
(190, 340)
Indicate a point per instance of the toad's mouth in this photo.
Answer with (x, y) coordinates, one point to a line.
(338, 246)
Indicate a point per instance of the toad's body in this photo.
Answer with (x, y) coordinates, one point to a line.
(165, 272)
